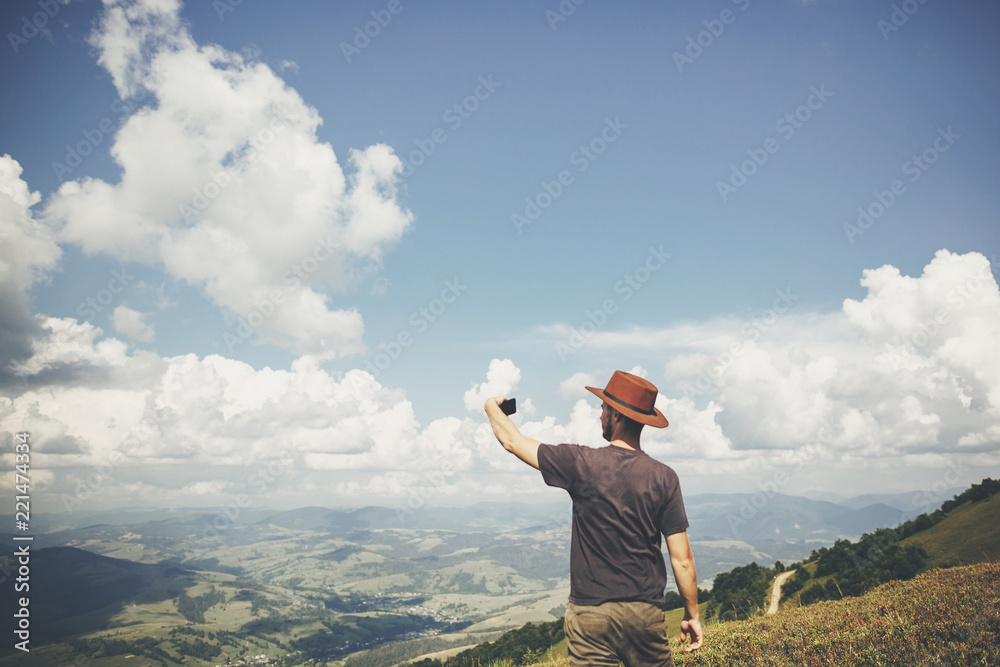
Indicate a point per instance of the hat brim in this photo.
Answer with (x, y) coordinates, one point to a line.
(656, 419)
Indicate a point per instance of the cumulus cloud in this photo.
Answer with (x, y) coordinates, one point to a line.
(575, 385)
(50, 435)
(502, 379)
(190, 429)
(907, 376)
(132, 323)
(913, 368)
(225, 185)
(28, 251)
(693, 433)
(182, 430)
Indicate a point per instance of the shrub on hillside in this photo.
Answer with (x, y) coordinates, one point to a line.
(794, 583)
(857, 568)
(739, 593)
(518, 647)
(673, 599)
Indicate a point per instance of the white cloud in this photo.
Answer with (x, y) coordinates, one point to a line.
(49, 435)
(132, 323)
(225, 184)
(28, 252)
(639, 370)
(845, 393)
(907, 378)
(575, 385)
(912, 368)
(691, 433)
(502, 379)
(146, 418)
(67, 343)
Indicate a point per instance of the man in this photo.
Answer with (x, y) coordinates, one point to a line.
(623, 501)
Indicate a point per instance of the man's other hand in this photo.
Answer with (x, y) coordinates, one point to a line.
(692, 628)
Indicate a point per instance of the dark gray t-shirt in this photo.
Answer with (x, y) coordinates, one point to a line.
(623, 501)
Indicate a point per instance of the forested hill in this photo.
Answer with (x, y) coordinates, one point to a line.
(517, 647)
(963, 531)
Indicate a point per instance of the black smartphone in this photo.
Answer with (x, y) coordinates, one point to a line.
(509, 406)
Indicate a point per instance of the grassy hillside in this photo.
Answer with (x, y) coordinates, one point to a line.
(969, 534)
(942, 617)
(963, 531)
(947, 615)
(73, 591)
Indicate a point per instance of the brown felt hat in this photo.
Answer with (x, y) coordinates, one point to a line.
(632, 396)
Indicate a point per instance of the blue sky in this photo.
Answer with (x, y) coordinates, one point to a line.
(697, 169)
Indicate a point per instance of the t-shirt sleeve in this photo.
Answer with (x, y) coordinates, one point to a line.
(674, 517)
(558, 465)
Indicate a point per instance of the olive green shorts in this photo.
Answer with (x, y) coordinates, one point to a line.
(633, 633)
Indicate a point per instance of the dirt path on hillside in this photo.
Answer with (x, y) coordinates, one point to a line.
(776, 590)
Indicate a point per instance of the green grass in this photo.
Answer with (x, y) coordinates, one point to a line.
(942, 617)
(674, 617)
(970, 534)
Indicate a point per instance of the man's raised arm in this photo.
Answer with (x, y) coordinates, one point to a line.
(506, 432)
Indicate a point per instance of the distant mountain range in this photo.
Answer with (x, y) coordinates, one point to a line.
(782, 517)
(487, 516)
(727, 530)
(713, 516)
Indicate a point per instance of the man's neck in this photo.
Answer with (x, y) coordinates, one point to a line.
(624, 445)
